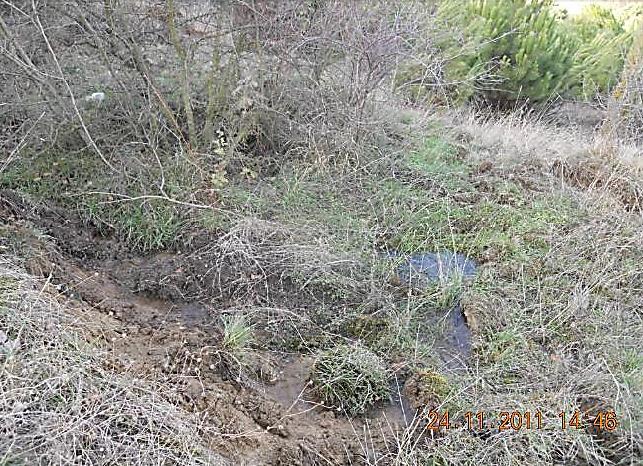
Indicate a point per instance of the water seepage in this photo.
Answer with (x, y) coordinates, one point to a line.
(422, 270)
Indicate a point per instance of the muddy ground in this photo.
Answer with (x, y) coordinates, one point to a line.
(161, 320)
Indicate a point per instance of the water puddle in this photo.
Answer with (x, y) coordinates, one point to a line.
(424, 269)
(290, 391)
(420, 270)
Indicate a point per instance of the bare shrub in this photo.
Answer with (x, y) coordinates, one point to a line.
(331, 66)
(147, 104)
(284, 77)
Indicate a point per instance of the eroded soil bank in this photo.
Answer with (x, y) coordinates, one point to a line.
(161, 314)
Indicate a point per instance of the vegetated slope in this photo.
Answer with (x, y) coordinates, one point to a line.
(221, 202)
(236, 316)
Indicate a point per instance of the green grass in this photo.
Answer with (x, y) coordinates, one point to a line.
(68, 178)
(487, 228)
(237, 333)
(437, 156)
(441, 161)
(349, 379)
(505, 224)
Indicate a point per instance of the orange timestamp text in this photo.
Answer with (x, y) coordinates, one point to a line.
(522, 420)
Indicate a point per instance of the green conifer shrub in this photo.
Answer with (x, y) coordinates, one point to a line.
(603, 43)
(509, 49)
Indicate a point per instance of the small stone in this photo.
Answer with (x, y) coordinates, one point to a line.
(95, 97)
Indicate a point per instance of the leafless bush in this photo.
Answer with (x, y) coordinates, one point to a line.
(255, 255)
(238, 86)
(328, 66)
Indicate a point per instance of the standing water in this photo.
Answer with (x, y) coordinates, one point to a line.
(421, 270)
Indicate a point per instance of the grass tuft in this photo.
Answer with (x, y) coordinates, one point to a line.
(237, 333)
(350, 378)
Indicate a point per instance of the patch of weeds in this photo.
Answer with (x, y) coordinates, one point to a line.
(440, 159)
(430, 227)
(435, 383)
(326, 285)
(237, 333)
(436, 156)
(436, 460)
(306, 199)
(146, 226)
(300, 338)
(215, 221)
(443, 294)
(501, 346)
(392, 191)
(507, 193)
(632, 368)
(52, 175)
(307, 331)
(632, 361)
(234, 358)
(296, 195)
(243, 198)
(394, 203)
(349, 378)
(69, 177)
(389, 334)
(406, 118)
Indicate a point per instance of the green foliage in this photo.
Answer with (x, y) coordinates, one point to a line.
(350, 378)
(69, 178)
(604, 42)
(237, 333)
(523, 49)
(434, 385)
(631, 17)
(593, 20)
(511, 49)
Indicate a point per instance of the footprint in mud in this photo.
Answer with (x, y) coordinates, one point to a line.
(423, 269)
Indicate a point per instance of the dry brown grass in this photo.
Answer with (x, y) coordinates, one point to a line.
(62, 404)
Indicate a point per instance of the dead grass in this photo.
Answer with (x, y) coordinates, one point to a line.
(62, 404)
